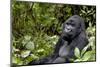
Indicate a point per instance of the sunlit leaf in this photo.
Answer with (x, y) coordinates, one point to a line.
(40, 50)
(25, 53)
(27, 37)
(87, 56)
(77, 60)
(84, 50)
(77, 52)
(34, 56)
(30, 45)
(17, 60)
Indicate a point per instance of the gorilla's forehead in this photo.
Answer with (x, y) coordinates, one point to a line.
(74, 19)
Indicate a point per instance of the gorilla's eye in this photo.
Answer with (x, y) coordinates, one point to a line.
(68, 23)
(72, 24)
(71, 20)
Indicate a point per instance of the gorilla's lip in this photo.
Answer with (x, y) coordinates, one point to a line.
(67, 30)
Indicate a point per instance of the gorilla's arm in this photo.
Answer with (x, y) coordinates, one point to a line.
(82, 41)
(40, 61)
(51, 58)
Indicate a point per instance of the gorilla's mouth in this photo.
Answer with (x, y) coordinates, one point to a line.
(66, 35)
(67, 38)
(67, 30)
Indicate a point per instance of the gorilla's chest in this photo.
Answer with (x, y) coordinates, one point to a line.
(64, 50)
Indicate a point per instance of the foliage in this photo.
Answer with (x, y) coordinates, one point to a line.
(27, 49)
(36, 28)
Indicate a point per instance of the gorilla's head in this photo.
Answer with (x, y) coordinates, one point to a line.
(73, 27)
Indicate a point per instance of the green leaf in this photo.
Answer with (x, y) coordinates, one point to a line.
(34, 56)
(83, 11)
(40, 50)
(27, 37)
(25, 53)
(77, 52)
(87, 55)
(30, 45)
(84, 50)
(17, 60)
(77, 60)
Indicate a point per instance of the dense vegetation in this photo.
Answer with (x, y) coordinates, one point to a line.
(36, 28)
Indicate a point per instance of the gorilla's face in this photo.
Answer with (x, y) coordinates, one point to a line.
(72, 27)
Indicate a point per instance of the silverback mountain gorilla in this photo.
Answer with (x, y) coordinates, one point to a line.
(73, 35)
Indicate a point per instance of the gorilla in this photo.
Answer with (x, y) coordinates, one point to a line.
(73, 35)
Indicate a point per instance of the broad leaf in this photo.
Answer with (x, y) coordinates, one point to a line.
(25, 53)
(77, 52)
(87, 56)
(30, 45)
(84, 50)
